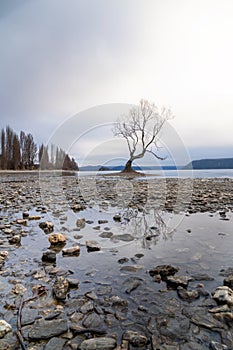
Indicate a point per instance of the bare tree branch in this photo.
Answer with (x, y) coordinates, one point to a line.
(141, 128)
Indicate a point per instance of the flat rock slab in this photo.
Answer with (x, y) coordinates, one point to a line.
(98, 344)
(126, 237)
(47, 329)
(55, 344)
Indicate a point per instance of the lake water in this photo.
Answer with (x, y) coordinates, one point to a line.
(205, 173)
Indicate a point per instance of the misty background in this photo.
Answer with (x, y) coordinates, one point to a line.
(59, 58)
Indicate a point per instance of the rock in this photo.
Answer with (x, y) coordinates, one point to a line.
(92, 246)
(25, 214)
(71, 251)
(55, 343)
(49, 257)
(176, 281)
(19, 289)
(106, 234)
(188, 295)
(223, 295)
(73, 283)
(87, 307)
(4, 254)
(43, 329)
(133, 268)
(46, 226)
(123, 260)
(163, 271)
(28, 316)
(34, 217)
(202, 277)
(60, 288)
(200, 317)
(21, 222)
(217, 346)
(92, 320)
(126, 237)
(80, 223)
(117, 217)
(117, 301)
(228, 281)
(132, 283)
(100, 222)
(136, 339)
(57, 238)
(15, 239)
(4, 328)
(100, 343)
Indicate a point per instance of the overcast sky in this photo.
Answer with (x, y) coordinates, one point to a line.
(60, 57)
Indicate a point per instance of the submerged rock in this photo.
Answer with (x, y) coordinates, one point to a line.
(132, 283)
(43, 329)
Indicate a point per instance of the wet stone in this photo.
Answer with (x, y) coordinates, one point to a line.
(131, 284)
(104, 289)
(73, 283)
(55, 344)
(87, 307)
(136, 339)
(43, 329)
(164, 271)
(49, 257)
(60, 288)
(217, 346)
(46, 226)
(92, 246)
(80, 223)
(71, 251)
(100, 343)
(92, 320)
(223, 295)
(106, 234)
(57, 238)
(188, 295)
(176, 281)
(4, 328)
(126, 237)
(15, 239)
(228, 281)
(123, 260)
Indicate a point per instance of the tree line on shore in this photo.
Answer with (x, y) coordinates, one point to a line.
(20, 152)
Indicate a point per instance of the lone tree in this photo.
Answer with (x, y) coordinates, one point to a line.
(141, 128)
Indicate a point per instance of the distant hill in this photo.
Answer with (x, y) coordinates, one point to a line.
(218, 163)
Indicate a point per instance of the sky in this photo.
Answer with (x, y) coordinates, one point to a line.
(60, 58)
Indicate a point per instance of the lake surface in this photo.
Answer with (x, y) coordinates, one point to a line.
(207, 173)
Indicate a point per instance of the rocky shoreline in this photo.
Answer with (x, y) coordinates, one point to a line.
(75, 272)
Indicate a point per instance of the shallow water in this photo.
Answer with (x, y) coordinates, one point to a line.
(196, 243)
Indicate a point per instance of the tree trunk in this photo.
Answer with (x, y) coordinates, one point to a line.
(128, 167)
